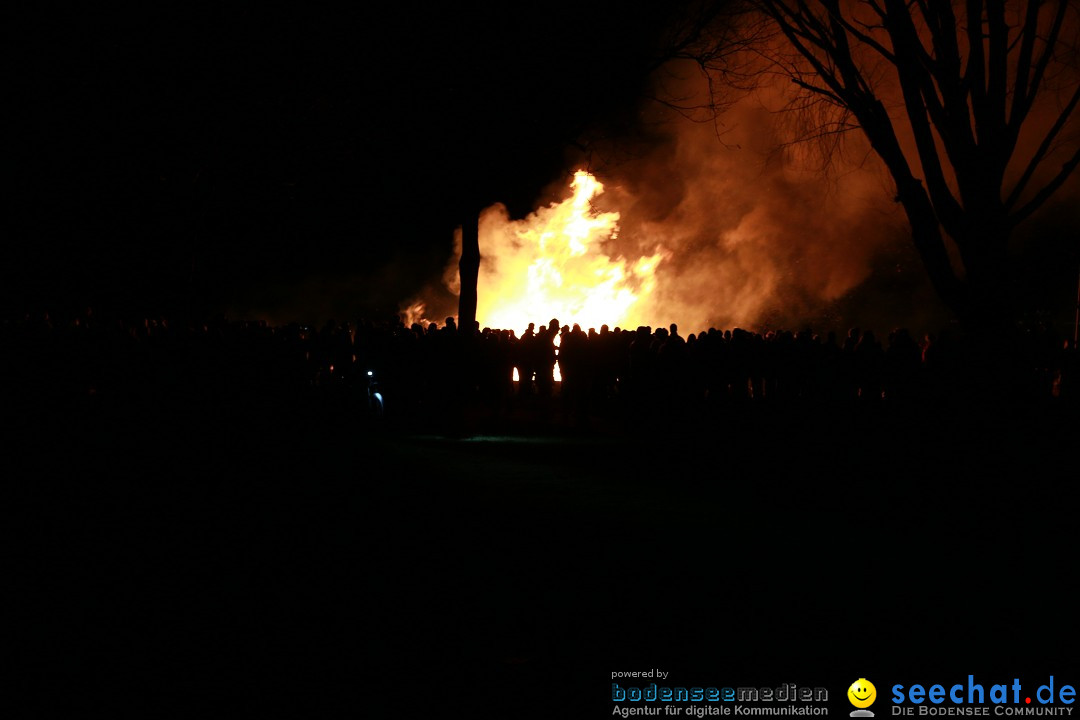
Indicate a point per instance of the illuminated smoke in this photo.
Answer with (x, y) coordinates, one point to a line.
(758, 234)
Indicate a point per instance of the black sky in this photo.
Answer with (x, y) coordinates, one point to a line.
(186, 159)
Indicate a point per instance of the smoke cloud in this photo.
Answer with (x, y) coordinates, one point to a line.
(758, 232)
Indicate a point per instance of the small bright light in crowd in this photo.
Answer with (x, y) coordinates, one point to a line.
(369, 373)
(557, 371)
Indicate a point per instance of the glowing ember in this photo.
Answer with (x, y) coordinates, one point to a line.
(552, 264)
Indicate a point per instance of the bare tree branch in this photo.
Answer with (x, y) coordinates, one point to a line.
(1051, 187)
(1044, 148)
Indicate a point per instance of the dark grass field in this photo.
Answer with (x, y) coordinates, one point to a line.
(224, 560)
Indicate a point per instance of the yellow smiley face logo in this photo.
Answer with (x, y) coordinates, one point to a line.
(862, 693)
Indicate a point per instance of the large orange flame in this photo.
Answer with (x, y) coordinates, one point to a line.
(553, 264)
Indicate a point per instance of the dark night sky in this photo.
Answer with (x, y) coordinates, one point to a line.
(188, 159)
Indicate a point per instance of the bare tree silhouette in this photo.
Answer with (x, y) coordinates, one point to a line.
(969, 105)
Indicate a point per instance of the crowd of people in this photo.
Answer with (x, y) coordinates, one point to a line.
(435, 371)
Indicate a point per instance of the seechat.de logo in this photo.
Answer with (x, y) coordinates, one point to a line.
(974, 698)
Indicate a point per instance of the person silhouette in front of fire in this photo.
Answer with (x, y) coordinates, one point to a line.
(545, 358)
(524, 351)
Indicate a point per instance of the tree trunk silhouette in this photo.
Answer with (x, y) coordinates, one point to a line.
(469, 271)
